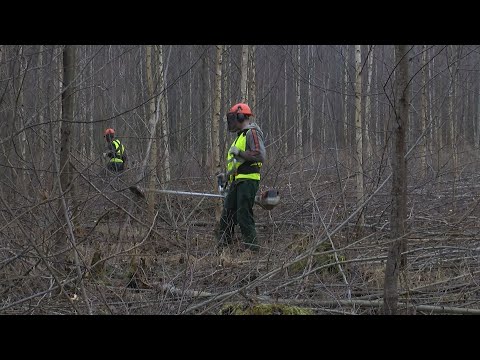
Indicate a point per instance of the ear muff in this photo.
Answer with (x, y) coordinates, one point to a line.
(240, 117)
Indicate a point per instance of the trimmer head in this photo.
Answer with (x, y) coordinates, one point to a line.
(268, 199)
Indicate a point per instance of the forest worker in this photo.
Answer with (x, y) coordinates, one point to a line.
(244, 160)
(115, 151)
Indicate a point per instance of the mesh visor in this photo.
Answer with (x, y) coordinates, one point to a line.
(231, 121)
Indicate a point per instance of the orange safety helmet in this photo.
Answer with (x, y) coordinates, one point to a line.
(241, 108)
(108, 131)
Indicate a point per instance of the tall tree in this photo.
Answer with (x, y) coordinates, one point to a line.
(216, 163)
(358, 131)
(299, 122)
(345, 99)
(423, 114)
(311, 73)
(244, 74)
(164, 143)
(252, 92)
(285, 108)
(152, 163)
(67, 111)
(398, 214)
(368, 104)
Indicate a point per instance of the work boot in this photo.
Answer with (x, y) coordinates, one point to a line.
(221, 246)
(247, 255)
(252, 247)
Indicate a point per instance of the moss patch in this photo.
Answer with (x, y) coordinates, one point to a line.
(322, 256)
(263, 309)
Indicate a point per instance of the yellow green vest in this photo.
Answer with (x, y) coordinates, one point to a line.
(119, 149)
(246, 170)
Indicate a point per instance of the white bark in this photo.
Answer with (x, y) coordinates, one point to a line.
(358, 128)
(423, 113)
(244, 74)
(252, 94)
(345, 99)
(368, 105)
(152, 163)
(299, 137)
(216, 123)
(285, 110)
(311, 73)
(164, 123)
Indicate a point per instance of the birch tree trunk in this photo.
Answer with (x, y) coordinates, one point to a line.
(252, 94)
(244, 75)
(164, 143)
(477, 134)
(203, 110)
(368, 105)
(399, 183)
(285, 111)
(20, 115)
(152, 163)
(39, 102)
(345, 99)
(323, 134)
(216, 168)
(67, 103)
(358, 131)
(433, 121)
(299, 127)
(378, 132)
(311, 72)
(67, 110)
(423, 113)
(91, 106)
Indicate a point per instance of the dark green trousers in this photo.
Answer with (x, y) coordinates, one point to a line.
(238, 209)
(115, 166)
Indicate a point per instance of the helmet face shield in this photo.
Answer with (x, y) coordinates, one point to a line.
(232, 121)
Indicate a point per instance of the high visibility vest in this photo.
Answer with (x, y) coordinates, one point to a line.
(246, 170)
(119, 150)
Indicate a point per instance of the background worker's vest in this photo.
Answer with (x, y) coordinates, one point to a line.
(246, 170)
(119, 150)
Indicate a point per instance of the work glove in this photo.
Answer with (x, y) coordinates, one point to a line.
(234, 150)
(221, 178)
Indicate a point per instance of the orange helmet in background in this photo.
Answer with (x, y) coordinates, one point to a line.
(108, 131)
(241, 108)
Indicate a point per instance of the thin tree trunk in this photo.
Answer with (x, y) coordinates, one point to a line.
(216, 165)
(358, 131)
(66, 136)
(477, 134)
(399, 183)
(252, 82)
(190, 103)
(164, 140)
(203, 110)
(244, 74)
(91, 106)
(423, 113)
(299, 129)
(311, 73)
(285, 111)
(368, 105)
(433, 121)
(39, 99)
(152, 163)
(345, 99)
(20, 116)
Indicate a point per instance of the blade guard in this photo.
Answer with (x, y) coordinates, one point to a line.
(268, 199)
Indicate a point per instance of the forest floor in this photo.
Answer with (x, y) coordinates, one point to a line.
(314, 256)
